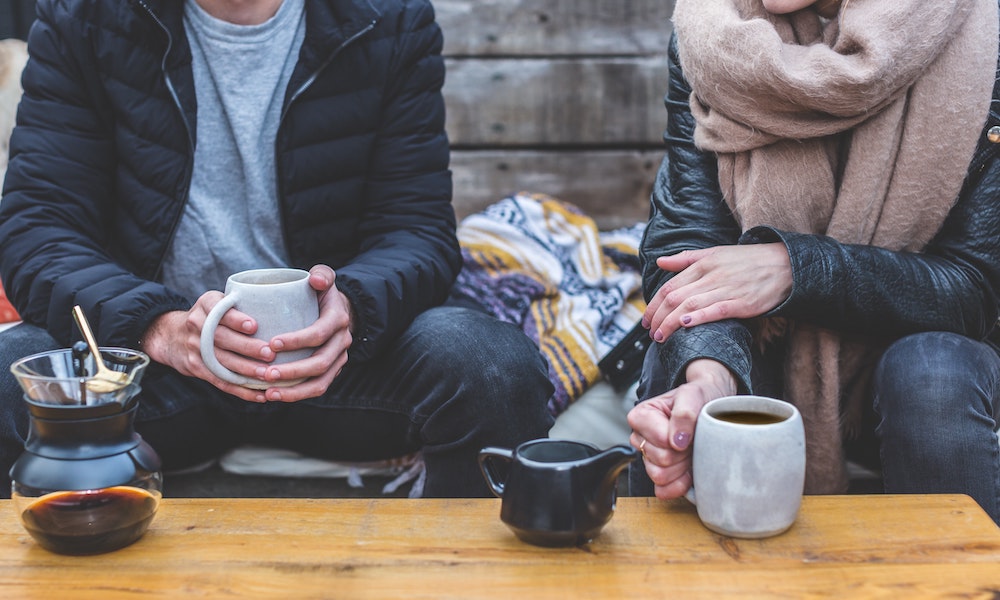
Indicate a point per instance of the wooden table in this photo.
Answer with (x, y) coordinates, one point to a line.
(851, 546)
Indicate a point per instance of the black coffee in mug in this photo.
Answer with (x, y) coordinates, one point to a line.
(747, 417)
(748, 466)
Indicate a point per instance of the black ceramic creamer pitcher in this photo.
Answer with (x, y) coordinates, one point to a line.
(555, 492)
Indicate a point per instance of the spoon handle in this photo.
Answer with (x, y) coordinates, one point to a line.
(105, 380)
(81, 321)
(88, 335)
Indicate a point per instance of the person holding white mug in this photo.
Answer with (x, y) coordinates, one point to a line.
(163, 146)
(824, 231)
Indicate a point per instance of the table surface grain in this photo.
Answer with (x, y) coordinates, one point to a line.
(881, 546)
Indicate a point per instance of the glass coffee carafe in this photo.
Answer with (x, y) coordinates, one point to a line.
(87, 482)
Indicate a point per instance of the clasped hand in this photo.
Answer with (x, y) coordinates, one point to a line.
(663, 427)
(710, 285)
(174, 340)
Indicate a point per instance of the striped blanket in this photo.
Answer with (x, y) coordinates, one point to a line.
(541, 264)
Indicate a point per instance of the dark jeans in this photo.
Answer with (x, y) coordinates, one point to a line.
(456, 381)
(936, 401)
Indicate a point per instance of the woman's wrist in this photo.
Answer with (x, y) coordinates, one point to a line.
(712, 373)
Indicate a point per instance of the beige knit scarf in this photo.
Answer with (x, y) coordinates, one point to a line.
(860, 128)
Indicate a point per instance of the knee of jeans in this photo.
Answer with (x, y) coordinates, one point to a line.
(926, 376)
(16, 343)
(473, 348)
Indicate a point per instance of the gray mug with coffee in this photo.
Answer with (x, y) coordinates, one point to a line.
(749, 463)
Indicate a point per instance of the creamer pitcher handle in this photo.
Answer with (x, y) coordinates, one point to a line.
(486, 458)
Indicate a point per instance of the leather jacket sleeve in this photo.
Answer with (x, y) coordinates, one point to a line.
(688, 212)
(950, 286)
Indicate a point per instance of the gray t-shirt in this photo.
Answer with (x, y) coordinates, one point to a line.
(231, 220)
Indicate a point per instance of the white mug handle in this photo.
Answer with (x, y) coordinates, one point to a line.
(690, 495)
(208, 343)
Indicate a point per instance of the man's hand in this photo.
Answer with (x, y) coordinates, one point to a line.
(330, 335)
(174, 339)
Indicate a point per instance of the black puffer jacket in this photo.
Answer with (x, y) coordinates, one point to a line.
(101, 163)
(951, 286)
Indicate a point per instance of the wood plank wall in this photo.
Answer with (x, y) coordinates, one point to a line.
(563, 97)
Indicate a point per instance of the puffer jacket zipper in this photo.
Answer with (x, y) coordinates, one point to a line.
(312, 78)
(279, 179)
(187, 128)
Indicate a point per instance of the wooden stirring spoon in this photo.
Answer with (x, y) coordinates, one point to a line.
(105, 380)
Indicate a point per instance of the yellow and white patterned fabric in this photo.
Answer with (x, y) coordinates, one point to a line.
(541, 264)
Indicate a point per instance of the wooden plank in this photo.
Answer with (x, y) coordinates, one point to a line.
(609, 102)
(612, 187)
(555, 27)
(562, 97)
(918, 546)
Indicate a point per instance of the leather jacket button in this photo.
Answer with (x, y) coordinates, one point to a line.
(993, 134)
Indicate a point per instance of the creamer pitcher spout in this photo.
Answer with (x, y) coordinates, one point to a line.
(607, 466)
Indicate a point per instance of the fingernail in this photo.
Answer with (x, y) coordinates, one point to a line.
(274, 374)
(260, 398)
(278, 345)
(645, 323)
(266, 353)
(686, 319)
(276, 396)
(658, 336)
(260, 372)
(681, 440)
(247, 326)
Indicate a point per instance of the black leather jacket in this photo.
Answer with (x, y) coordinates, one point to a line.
(951, 286)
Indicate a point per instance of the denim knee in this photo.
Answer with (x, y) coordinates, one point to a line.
(479, 382)
(937, 396)
(469, 349)
(930, 379)
(480, 379)
(15, 343)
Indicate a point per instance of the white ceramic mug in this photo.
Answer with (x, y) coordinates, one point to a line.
(749, 466)
(280, 300)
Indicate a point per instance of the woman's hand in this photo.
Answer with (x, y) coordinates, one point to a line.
(724, 282)
(174, 339)
(663, 426)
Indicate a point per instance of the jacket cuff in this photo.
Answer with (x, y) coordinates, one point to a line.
(727, 342)
(363, 342)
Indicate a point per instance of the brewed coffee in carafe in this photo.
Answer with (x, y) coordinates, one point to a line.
(87, 482)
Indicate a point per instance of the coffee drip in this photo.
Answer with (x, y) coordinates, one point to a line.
(86, 483)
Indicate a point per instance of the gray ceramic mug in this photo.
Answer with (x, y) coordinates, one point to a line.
(749, 461)
(280, 300)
